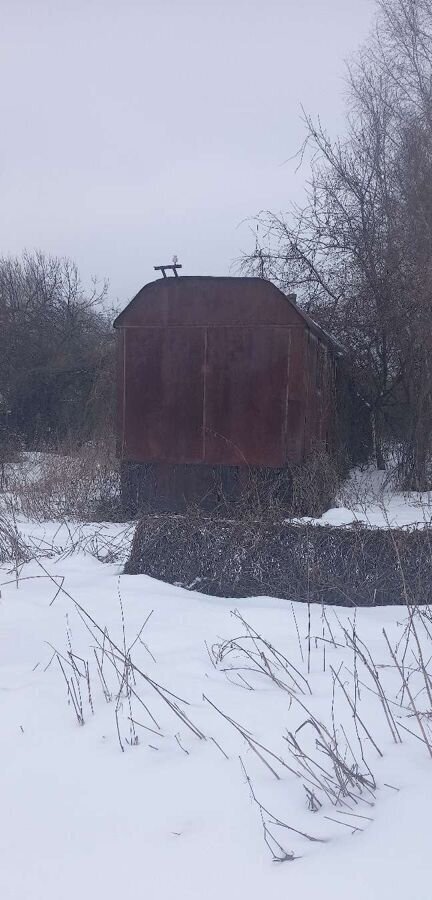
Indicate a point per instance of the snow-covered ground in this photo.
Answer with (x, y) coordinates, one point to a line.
(170, 816)
(368, 498)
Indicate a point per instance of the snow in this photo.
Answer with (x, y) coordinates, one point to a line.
(368, 498)
(81, 818)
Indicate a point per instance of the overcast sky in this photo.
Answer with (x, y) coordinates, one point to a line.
(136, 129)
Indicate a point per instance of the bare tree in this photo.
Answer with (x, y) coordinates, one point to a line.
(54, 334)
(358, 250)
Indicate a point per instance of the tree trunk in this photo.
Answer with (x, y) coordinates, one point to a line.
(377, 441)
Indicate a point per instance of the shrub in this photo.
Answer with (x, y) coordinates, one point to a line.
(355, 566)
(80, 484)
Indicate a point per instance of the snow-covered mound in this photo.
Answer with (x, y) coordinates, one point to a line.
(368, 497)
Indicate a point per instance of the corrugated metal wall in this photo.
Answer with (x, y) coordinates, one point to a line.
(196, 384)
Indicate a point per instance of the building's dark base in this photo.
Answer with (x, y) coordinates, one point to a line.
(161, 487)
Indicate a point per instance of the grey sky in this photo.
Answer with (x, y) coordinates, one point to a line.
(136, 129)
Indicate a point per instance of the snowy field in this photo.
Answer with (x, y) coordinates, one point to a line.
(237, 749)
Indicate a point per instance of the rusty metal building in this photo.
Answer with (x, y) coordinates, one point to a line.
(218, 376)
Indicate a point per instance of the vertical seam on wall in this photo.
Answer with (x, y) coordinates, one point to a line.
(306, 384)
(124, 393)
(285, 423)
(204, 422)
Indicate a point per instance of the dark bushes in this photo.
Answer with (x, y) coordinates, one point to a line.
(346, 566)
